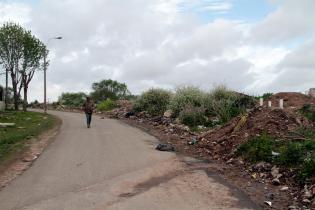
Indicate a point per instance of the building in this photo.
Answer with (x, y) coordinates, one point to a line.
(312, 92)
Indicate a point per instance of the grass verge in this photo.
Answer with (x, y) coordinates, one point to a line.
(28, 125)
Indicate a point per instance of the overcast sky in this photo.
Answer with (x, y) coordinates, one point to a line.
(253, 46)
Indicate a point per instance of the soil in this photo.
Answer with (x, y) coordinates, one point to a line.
(222, 142)
(291, 100)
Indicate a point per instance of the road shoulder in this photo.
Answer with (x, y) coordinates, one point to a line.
(24, 159)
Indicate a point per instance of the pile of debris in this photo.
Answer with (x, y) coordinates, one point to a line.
(123, 108)
(292, 100)
(221, 143)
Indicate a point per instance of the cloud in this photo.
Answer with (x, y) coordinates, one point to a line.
(214, 6)
(297, 69)
(163, 43)
(219, 7)
(16, 12)
(291, 20)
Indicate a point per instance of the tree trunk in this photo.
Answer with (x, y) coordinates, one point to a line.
(15, 93)
(6, 89)
(25, 98)
(16, 100)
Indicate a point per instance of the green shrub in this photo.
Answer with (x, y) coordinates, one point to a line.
(106, 105)
(306, 133)
(226, 104)
(266, 96)
(193, 116)
(184, 96)
(222, 92)
(308, 111)
(291, 154)
(257, 149)
(307, 170)
(245, 102)
(154, 101)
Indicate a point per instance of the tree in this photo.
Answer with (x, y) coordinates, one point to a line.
(72, 100)
(33, 54)
(109, 89)
(11, 50)
(20, 55)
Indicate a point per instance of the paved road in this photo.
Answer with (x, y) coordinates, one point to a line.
(113, 166)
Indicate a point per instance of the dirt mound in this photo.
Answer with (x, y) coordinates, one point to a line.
(291, 100)
(123, 107)
(222, 142)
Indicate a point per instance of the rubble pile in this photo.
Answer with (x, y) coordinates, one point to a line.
(292, 100)
(223, 141)
(123, 107)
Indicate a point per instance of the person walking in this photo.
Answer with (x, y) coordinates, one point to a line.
(88, 108)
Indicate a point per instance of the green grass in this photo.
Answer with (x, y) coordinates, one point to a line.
(27, 126)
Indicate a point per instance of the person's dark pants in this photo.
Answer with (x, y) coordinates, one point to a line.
(88, 119)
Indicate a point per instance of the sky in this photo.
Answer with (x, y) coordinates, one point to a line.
(252, 46)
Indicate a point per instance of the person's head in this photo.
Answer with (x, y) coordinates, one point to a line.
(88, 98)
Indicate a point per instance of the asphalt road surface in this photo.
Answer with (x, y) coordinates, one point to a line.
(115, 166)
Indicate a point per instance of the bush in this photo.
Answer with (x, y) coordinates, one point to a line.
(308, 111)
(106, 105)
(245, 102)
(193, 116)
(154, 101)
(266, 96)
(291, 154)
(184, 96)
(257, 149)
(307, 170)
(226, 104)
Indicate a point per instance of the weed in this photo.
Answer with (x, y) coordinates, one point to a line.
(307, 170)
(154, 101)
(257, 149)
(184, 96)
(106, 105)
(193, 116)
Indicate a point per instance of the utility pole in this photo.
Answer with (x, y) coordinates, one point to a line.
(45, 69)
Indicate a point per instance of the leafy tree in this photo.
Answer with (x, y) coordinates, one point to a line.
(33, 55)
(20, 55)
(72, 100)
(11, 51)
(109, 89)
